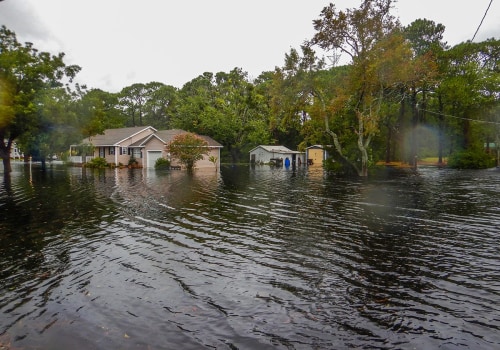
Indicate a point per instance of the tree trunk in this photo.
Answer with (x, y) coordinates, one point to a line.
(5, 155)
(401, 125)
(344, 160)
(413, 140)
(441, 132)
(497, 149)
(364, 162)
(467, 134)
(235, 154)
(7, 168)
(388, 143)
(498, 156)
(363, 146)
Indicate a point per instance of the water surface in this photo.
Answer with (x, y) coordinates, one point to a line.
(249, 258)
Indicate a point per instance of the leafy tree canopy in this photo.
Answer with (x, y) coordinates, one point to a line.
(188, 148)
(25, 73)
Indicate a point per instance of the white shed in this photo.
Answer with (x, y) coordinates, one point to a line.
(277, 155)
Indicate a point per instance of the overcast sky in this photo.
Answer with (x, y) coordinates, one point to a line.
(121, 42)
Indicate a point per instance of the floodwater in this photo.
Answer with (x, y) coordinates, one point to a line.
(249, 258)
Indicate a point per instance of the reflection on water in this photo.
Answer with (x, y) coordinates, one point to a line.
(249, 258)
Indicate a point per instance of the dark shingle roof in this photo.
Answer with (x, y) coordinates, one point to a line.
(114, 136)
(168, 135)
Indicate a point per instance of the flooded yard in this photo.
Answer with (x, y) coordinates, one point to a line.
(249, 258)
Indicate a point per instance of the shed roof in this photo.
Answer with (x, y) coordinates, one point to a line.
(275, 149)
(315, 147)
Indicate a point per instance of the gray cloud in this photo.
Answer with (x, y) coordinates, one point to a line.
(19, 17)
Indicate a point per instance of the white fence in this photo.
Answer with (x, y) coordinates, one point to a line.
(79, 159)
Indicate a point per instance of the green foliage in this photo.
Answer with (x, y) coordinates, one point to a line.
(152, 104)
(398, 80)
(370, 35)
(339, 167)
(188, 148)
(132, 161)
(95, 111)
(213, 159)
(471, 159)
(333, 166)
(83, 150)
(97, 163)
(162, 163)
(25, 73)
(425, 36)
(227, 107)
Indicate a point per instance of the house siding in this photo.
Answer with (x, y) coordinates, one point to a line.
(205, 162)
(119, 157)
(154, 144)
(117, 146)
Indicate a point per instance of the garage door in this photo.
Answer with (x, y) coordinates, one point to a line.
(152, 157)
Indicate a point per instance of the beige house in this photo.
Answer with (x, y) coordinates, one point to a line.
(145, 144)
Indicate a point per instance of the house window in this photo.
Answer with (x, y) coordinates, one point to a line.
(124, 150)
(137, 153)
(111, 150)
(101, 152)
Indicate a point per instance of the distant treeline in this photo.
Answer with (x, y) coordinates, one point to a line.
(404, 95)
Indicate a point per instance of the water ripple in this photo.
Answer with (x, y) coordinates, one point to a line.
(250, 258)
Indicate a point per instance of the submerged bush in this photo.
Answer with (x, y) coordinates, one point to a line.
(98, 163)
(132, 161)
(471, 159)
(162, 163)
(339, 167)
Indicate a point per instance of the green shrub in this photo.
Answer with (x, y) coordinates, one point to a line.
(339, 167)
(98, 163)
(132, 161)
(162, 163)
(471, 159)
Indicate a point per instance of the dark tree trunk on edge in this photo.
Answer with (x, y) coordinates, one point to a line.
(414, 124)
(441, 132)
(7, 168)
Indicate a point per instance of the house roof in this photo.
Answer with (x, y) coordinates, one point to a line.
(164, 136)
(211, 142)
(275, 149)
(112, 137)
(168, 135)
(142, 142)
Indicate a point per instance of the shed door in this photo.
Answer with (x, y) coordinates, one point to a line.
(152, 157)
